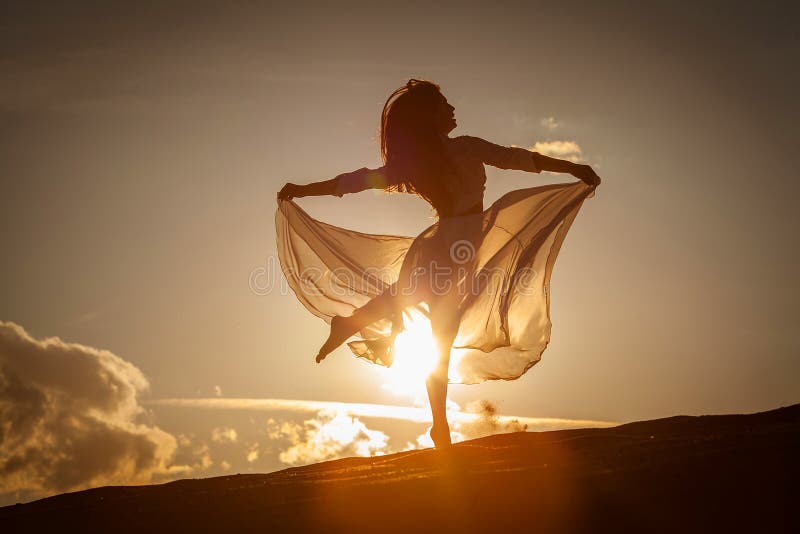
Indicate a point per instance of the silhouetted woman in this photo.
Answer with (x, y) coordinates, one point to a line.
(420, 158)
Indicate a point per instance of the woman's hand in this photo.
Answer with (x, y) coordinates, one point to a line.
(586, 174)
(289, 191)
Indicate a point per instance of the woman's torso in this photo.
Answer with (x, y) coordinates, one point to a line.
(468, 182)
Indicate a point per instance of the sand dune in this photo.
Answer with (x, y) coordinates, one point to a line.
(696, 474)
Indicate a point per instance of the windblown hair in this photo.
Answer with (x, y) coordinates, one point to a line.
(413, 149)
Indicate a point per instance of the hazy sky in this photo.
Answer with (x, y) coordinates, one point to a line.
(141, 147)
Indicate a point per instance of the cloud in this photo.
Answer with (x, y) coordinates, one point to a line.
(224, 435)
(70, 418)
(252, 452)
(331, 434)
(328, 430)
(189, 456)
(569, 150)
(384, 411)
(487, 423)
(415, 414)
(550, 123)
(283, 429)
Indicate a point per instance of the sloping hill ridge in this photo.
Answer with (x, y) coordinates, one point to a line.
(726, 473)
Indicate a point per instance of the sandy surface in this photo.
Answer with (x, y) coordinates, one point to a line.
(681, 474)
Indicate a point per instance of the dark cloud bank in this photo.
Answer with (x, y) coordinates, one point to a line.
(70, 418)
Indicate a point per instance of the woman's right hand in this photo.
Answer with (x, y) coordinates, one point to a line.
(586, 174)
(289, 191)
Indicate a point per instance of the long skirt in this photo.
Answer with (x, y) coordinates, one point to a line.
(491, 269)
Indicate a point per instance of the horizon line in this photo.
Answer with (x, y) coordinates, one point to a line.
(414, 414)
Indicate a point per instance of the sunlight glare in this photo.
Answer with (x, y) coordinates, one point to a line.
(414, 357)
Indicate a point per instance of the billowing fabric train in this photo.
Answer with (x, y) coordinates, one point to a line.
(497, 265)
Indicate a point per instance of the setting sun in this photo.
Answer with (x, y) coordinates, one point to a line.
(414, 357)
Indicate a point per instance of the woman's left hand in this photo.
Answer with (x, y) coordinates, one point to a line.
(289, 191)
(586, 174)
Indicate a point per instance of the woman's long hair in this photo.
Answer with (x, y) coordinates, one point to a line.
(413, 149)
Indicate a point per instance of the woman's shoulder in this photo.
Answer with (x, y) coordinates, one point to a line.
(464, 140)
(466, 144)
(471, 146)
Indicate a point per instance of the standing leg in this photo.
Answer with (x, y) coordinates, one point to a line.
(444, 325)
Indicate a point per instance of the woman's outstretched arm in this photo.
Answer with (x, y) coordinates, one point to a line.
(290, 190)
(349, 182)
(518, 158)
(584, 173)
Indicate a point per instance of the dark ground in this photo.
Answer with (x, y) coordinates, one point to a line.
(680, 474)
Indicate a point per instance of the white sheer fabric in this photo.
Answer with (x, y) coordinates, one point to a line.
(497, 267)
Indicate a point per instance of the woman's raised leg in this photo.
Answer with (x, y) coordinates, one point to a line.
(378, 308)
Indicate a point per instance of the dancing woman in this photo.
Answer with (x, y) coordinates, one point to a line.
(420, 158)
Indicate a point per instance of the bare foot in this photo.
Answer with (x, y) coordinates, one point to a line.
(340, 331)
(440, 437)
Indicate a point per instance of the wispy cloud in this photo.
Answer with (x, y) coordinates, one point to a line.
(252, 452)
(369, 410)
(569, 150)
(224, 435)
(488, 422)
(550, 123)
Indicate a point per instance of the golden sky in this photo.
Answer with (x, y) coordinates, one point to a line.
(141, 147)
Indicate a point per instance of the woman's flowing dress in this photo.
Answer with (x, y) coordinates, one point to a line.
(495, 265)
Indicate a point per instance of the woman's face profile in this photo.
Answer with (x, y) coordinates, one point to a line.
(444, 115)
